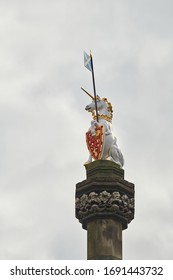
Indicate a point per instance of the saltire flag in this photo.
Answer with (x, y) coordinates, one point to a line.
(87, 61)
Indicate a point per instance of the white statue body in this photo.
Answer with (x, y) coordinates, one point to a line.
(110, 150)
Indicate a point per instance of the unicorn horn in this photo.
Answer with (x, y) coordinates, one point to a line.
(87, 93)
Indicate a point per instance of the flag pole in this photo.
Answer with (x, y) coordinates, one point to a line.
(95, 97)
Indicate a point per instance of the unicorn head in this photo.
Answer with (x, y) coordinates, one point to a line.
(103, 106)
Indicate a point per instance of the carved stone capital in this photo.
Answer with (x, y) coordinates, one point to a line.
(104, 204)
(105, 194)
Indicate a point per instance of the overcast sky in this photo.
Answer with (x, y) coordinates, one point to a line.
(43, 121)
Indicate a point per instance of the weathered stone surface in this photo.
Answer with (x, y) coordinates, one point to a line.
(104, 206)
(104, 194)
(104, 240)
(103, 168)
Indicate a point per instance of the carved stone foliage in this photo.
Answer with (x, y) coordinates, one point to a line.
(114, 203)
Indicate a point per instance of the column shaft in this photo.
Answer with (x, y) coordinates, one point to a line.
(104, 239)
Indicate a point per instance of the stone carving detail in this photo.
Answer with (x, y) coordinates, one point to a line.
(114, 203)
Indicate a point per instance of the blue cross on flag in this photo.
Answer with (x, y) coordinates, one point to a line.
(87, 61)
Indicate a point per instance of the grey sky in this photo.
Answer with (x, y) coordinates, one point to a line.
(43, 121)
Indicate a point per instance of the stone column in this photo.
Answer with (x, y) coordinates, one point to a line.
(104, 207)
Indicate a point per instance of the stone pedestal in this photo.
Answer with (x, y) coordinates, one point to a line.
(104, 207)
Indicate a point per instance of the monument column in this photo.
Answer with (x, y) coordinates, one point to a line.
(105, 200)
(104, 207)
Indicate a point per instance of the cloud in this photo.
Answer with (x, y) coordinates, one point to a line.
(43, 121)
